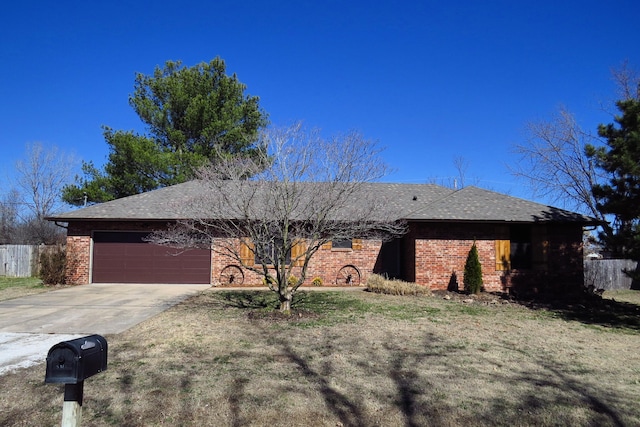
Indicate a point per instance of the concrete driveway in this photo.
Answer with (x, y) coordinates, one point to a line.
(30, 325)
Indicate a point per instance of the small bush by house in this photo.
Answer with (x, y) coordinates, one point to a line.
(473, 272)
(381, 285)
(52, 265)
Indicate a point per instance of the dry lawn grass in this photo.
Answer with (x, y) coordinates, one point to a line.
(356, 359)
(632, 296)
(11, 287)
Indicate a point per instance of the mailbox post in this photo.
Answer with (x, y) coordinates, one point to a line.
(70, 363)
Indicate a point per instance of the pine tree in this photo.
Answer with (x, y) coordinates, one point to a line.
(473, 272)
(620, 197)
(193, 115)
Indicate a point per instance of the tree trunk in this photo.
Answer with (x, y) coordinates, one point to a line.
(285, 300)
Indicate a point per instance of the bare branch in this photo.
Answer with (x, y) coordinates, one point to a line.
(39, 181)
(458, 181)
(461, 164)
(312, 191)
(553, 160)
(627, 81)
(554, 164)
(41, 176)
(9, 224)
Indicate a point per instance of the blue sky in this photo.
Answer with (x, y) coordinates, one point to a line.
(431, 81)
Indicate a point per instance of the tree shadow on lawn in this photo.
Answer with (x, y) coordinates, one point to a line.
(556, 384)
(589, 309)
(345, 408)
(305, 305)
(417, 397)
(545, 391)
(425, 378)
(426, 371)
(423, 397)
(348, 408)
(249, 299)
(585, 394)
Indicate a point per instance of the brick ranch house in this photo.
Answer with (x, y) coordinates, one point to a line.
(521, 244)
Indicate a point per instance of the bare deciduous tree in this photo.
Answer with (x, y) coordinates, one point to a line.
(461, 164)
(313, 191)
(459, 181)
(553, 160)
(39, 181)
(554, 164)
(627, 82)
(41, 176)
(9, 217)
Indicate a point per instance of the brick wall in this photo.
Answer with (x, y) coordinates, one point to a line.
(325, 264)
(440, 263)
(440, 252)
(561, 268)
(78, 260)
(432, 254)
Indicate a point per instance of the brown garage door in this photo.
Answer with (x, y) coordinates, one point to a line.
(124, 257)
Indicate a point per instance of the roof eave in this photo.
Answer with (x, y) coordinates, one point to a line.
(584, 222)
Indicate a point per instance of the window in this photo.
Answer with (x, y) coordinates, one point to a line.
(266, 253)
(342, 244)
(521, 248)
(515, 253)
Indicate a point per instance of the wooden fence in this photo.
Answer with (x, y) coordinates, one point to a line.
(21, 260)
(608, 274)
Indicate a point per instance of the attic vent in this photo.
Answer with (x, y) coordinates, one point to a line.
(415, 198)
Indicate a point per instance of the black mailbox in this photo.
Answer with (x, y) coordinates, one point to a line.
(71, 362)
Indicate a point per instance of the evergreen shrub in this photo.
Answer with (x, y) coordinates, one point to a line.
(473, 272)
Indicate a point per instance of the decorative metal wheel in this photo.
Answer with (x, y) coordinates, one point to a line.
(231, 275)
(348, 276)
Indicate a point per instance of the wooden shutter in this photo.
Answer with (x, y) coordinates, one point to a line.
(297, 253)
(247, 256)
(503, 255)
(326, 246)
(356, 244)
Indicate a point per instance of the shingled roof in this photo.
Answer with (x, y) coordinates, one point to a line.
(477, 204)
(413, 202)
